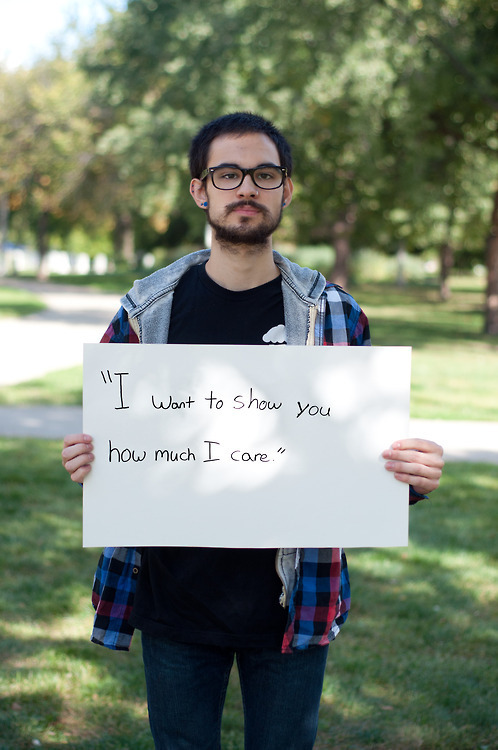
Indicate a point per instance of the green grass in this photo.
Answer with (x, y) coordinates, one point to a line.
(18, 302)
(454, 365)
(59, 388)
(413, 668)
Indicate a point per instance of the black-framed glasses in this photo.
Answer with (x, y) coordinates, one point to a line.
(230, 176)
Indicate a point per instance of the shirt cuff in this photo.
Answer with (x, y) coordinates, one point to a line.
(415, 496)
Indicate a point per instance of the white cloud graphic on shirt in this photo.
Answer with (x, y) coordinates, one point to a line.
(275, 335)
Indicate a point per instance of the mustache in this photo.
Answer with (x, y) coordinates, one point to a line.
(233, 206)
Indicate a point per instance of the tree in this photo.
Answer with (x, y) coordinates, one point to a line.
(45, 143)
(454, 94)
(193, 62)
(491, 309)
(390, 107)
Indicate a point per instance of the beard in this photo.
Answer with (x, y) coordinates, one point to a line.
(245, 233)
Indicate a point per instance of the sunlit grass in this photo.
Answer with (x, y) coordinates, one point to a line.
(18, 302)
(414, 666)
(454, 365)
(58, 388)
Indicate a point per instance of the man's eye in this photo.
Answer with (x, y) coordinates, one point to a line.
(266, 176)
(229, 176)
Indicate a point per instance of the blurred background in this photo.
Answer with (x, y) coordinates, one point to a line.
(391, 108)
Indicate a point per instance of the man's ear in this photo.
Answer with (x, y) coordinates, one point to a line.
(198, 192)
(288, 190)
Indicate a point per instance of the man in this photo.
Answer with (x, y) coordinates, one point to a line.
(198, 609)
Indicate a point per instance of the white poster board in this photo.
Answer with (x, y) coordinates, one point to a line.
(244, 446)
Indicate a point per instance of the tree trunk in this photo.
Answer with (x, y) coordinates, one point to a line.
(491, 309)
(124, 239)
(446, 257)
(4, 227)
(42, 245)
(401, 258)
(341, 242)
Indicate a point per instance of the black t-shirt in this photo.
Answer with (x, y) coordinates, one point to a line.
(224, 597)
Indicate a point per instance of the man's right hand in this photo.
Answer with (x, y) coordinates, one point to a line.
(77, 456)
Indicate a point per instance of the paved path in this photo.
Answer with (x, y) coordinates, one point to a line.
(53, 339)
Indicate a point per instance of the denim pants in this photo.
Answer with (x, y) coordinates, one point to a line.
(186, 687)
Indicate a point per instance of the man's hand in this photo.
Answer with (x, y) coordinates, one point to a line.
(417, 462)
(77, 456)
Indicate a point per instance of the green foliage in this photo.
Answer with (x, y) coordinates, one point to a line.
(45, 142)
(412, 668)
(389, 108)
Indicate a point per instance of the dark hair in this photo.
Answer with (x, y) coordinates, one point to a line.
(237, 123)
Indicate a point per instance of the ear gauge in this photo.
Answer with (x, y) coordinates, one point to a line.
(203, 205)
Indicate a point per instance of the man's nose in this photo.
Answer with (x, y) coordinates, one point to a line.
(247, 186)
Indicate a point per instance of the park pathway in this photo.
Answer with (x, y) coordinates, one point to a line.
(53, 339)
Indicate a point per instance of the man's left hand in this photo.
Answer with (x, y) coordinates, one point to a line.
(417, 462)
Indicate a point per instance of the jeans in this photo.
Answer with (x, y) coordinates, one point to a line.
(186, 687)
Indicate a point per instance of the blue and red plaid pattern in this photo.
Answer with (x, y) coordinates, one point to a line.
(119, 330)
(321, 600)
(113, 593)
(340, 320)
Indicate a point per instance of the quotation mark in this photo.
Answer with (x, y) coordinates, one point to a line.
(106, 377)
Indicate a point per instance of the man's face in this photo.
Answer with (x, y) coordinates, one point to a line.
(247, 214)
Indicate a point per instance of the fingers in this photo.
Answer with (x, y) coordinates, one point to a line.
(418, 444)
(417, 462)
(77, 456)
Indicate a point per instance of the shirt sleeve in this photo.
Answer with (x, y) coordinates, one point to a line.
(120, 330)
(345, 323)
(415, 496)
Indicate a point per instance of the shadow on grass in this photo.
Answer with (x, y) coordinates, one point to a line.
(422, 318)
(424, 333)
(412, 668)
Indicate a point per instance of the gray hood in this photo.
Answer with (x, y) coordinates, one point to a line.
(150, 299)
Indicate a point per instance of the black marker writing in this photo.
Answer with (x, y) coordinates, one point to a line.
(173, 404)
(257, 403)
(218, 403)
(109, 379)
(125, 455)
(210, 453)
(313, 410)
(246, 456)
(169, 455)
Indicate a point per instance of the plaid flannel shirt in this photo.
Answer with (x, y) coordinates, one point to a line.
(320, 600)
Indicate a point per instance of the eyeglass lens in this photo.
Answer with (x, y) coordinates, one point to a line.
(227, 178)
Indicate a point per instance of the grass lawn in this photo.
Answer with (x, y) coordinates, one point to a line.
(58, 388)
(17, 303)
(415, 665)
(454, 366)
